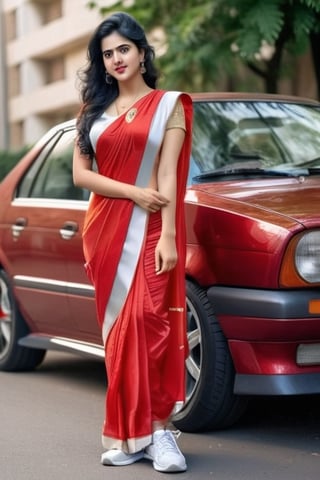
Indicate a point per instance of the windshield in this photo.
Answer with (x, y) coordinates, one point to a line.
(232, 135)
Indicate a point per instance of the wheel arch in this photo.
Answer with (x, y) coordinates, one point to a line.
(212, 403)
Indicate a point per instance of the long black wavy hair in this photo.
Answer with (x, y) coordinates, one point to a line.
(95, 93)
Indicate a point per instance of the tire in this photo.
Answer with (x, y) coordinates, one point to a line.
(210, 402)
(13, 357)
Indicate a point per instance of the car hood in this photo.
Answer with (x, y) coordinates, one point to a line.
(295, 200)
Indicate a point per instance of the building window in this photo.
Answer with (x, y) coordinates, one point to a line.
(16, 135)
(48, 10)
(14, 84)
(55, 69)
(10, 25)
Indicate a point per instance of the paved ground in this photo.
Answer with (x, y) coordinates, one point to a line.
(50, 423)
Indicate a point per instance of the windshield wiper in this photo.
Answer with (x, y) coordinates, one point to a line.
(245, 155)
(309, 162)
(297, 172)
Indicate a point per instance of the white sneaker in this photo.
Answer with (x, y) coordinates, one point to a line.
(119, 458)
(165, 453)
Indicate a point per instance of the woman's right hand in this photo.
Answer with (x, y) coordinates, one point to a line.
(149, 199)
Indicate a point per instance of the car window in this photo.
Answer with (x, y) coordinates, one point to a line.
(253, 134)
(50, 176)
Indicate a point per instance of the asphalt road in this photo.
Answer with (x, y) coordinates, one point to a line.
(50, 424)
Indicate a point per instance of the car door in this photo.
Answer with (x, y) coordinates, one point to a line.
(81, 298)
(43, 234)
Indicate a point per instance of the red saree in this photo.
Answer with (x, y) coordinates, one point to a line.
(142, 315)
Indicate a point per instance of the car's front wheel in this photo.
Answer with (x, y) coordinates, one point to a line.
(14, 357)
(210, 402)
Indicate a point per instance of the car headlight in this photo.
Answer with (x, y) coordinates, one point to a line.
(307, 257)
(301, 263)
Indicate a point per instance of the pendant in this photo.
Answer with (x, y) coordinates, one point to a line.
(131, 114)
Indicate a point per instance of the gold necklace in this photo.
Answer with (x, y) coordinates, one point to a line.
(122, 108)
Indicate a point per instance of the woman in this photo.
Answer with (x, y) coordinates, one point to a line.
(134, 238)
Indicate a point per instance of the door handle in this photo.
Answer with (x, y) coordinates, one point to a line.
(68, 230)
(18, 227)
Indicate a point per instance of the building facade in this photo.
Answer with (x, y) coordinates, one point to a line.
(43, 45)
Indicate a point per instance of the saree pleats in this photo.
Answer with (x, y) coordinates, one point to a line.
(136, 354)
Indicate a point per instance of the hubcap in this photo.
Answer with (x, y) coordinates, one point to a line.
(5, 320)
(194, 360)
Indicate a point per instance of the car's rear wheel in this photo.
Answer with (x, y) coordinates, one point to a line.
(13, 357)
(210, 402)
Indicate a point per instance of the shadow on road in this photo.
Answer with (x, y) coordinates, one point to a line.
(73, 368)
(297, 413)
(291, 410)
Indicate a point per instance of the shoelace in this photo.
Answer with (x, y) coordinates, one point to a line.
(176, 433)
(167, 443)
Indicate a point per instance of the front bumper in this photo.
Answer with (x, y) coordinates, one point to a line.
(266, 315)
(299, 384)
(264, 329)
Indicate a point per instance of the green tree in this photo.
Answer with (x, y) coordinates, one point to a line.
(9, 159)
(207, 40)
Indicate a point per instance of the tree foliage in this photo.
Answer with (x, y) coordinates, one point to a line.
(207, 40)
(8, 159)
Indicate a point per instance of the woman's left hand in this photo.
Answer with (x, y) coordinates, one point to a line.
(165, 254)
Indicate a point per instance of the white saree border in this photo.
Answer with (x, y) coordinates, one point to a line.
(131, 445)
(137, 225)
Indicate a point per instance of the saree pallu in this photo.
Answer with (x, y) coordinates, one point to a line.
(142, 315)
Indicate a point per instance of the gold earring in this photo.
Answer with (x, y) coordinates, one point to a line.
(108, 78)
(142, 68)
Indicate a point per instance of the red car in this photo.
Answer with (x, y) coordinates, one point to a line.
(253, 256)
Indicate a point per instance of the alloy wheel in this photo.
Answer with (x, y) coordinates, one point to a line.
(194, 360)
(5, 319)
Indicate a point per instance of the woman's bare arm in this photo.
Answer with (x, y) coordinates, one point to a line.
(83, 176)
(166, 252)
